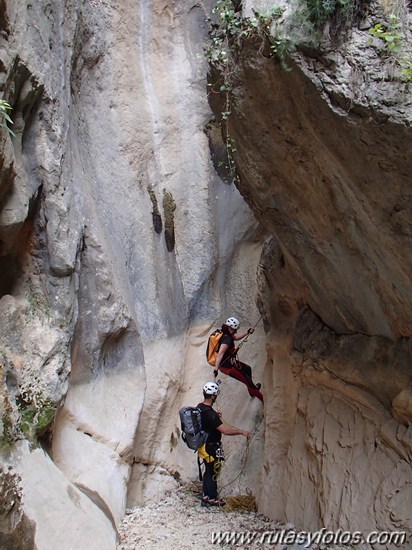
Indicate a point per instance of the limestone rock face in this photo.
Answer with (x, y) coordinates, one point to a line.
(321, 151)
(328, 197)
(16, 530)
(73, 521)
(121, 248)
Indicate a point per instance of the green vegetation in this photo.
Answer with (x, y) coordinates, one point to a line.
(23, 413)
(26, 421)
(35, 418)
(281, 35)
(406, 69)
(390, 33)
(30, 420)
(229, 163)
(7, 436)
(6, 409)
(45, 417)
(337, 12)
(38, 305)
(4, 107)
(275, 34)
(229, 29)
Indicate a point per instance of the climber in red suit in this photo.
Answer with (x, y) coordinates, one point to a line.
(227, 361)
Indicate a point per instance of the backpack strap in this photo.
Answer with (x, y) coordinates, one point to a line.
(199, 464)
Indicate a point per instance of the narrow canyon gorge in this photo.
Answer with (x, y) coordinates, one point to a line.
(171, 164)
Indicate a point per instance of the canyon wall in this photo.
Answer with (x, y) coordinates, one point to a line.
(121, 250)
(322, 147)
(125, 242)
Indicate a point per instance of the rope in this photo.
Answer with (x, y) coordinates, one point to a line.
(245, 339)
(244, 456)
(244, 460)
(246, 450)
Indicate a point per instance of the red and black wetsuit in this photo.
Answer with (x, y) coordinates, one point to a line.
(231, 365)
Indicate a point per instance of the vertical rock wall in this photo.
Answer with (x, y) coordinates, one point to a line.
(120, 249)
(320, 150)
(124, 243)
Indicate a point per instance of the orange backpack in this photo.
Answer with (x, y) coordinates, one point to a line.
(212, 348)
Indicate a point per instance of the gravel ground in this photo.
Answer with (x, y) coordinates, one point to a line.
(179, 522)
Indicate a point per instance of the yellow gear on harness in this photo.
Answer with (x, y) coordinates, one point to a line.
(205, 455)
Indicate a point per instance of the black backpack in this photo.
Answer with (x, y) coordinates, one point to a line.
(191, 424)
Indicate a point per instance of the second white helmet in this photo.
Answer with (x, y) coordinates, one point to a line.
(210, 388)
(233, 322)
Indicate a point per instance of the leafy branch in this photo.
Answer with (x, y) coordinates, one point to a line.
(229, 30)
(390, 33)
(394, 43)
(4, 108)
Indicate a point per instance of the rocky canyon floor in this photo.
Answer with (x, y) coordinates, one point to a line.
(178, 521)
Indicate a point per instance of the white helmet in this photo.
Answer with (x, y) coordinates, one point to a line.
(233, 322)
(210, 388)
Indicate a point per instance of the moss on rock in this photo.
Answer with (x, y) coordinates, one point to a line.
(169, 207)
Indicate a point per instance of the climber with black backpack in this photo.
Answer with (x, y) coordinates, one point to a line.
(222, 354)
(211, 451)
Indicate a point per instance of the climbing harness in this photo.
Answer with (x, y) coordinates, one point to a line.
(203, 456)
(235, 351)
(240, 371)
